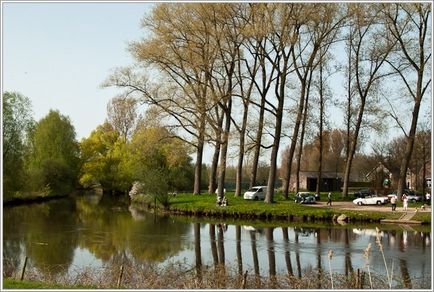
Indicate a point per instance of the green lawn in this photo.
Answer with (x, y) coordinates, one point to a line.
(205, 205)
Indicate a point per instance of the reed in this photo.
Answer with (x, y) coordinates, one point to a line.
(380, 246)
(330, 255)
(366, 255)
(179, 275)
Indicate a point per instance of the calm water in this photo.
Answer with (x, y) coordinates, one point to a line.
(90, 231)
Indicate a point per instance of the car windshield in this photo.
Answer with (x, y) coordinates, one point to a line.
(254, 189)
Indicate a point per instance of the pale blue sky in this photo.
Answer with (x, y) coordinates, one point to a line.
(58, 54)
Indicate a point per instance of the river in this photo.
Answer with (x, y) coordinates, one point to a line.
(69, 235)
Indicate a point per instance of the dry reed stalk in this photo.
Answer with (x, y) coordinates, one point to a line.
(330, 255)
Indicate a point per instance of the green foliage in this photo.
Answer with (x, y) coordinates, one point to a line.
(107, 160)
(53, 158)
(159, 162)
(162, 163)
(17, 121)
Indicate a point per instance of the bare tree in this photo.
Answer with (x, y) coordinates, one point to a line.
(122, 115)
(410, 25)
(180, 48)
(369, 58)
(320, 31)
(286, 22)
(258, 45)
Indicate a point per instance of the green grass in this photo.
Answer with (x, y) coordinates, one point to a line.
(9, 283)
(205, 205)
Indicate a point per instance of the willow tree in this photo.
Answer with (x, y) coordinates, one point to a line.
(410, 26)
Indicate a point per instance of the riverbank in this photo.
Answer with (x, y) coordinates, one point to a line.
(30, 199)
(179, 276)
(205, 206)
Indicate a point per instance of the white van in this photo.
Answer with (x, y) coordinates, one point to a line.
(256, 193)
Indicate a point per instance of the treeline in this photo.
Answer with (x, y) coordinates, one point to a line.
(44, 157)
(246, 77)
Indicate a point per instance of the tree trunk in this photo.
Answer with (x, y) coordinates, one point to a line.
(258, 142)
(212, 186)
(224, 150)
(320, 135)
(280, 92)
(353, 145)
(239, 174)
(199, 157)
(303, 129)
(408, 149)
(246, 102)
(294, 141)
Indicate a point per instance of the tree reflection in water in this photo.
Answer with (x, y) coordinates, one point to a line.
(239, 255)
(287, 250)
(213, 244)
(197, 250)
(56, 235)
(255, 256)
(318, 255)
(271, 256)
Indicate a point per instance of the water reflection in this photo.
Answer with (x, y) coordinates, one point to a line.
(65, 233)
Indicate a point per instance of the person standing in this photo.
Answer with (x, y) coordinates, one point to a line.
(393, 202)
(405, 202)
(329, 197)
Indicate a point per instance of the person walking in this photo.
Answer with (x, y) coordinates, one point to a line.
(329, 197)
(405, 202)
(393, 202)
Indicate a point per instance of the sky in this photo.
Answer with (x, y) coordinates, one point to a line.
(58, 54)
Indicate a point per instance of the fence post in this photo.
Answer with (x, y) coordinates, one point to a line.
(244, 280)
(120, 276)
(24, 268)
(357, 279)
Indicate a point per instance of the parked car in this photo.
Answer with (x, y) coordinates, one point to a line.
(363, 193)
(411, 195)
(371, 200)
(255, 193)
(305, 198)
(415, 198)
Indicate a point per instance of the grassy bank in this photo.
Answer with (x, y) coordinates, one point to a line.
(281, 209)
(10, 283)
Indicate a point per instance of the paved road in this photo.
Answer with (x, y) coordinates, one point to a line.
(352, 206)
